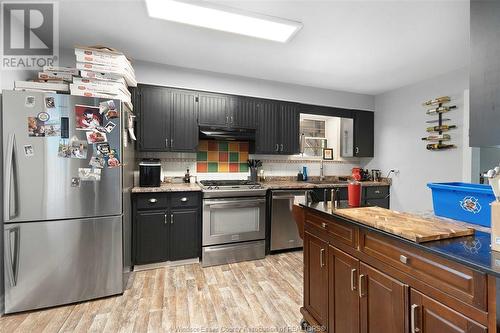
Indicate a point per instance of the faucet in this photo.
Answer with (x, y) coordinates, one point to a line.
(321, 171)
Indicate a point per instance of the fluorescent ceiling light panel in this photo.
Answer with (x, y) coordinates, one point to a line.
(223, 18)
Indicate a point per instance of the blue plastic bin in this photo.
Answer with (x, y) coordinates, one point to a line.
(463, 201)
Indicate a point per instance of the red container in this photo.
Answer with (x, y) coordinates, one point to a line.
(354, 194)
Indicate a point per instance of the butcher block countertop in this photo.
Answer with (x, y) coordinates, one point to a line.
(473, 250)
(409, 226)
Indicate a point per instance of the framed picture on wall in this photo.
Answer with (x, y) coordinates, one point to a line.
(327, 153)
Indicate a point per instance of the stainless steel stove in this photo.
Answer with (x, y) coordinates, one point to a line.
(231, 188)
(234, 221)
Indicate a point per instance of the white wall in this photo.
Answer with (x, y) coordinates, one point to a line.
(400, 123)
(159, 74)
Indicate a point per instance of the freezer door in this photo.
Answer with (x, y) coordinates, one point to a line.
(58, 262)
(40, 185)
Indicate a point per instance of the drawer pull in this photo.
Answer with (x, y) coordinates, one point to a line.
(361, 290)
(184, 199)
(377, 191)
(353, 279)
(171, 218)
(153, 200)
(322, 257)
(403, 259)
(165, 219)
(414, 328)
(323, 225)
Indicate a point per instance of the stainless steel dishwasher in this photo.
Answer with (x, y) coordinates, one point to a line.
(284, 232)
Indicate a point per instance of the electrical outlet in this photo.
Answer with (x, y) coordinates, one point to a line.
(395, 171)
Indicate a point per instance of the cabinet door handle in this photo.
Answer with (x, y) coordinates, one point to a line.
(357, 150)
(232, 121)
(171, 218)
(184, 199)
(353, 279)
(414, 328)
(403, 259)
(277, 147)
(165, 219)
(227, 119)
(281, 147)
(322, 258)
(171, 143)
(362, 292)
(166, 142)
(323, 225)
(153, 200)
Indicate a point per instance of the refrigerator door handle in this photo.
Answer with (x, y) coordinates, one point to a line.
(12, 259)
(10, 177)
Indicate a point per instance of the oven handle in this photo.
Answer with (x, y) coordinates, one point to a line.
(234, 203)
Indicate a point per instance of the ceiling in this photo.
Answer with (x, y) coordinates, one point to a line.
(358, 46)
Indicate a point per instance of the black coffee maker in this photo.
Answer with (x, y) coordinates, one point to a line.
(150, 172)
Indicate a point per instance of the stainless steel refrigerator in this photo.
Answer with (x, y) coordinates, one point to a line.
(66, 233)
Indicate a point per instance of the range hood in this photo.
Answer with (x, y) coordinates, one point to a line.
(218, 133)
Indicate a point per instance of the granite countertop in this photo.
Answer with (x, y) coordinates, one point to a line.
(473, 251)
(168, 187)
(289, 184)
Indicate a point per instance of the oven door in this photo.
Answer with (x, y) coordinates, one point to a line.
(232, 220)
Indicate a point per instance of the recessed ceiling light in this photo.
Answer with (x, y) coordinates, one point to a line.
(223, 18)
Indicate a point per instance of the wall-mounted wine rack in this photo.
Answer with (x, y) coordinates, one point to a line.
(438, 106)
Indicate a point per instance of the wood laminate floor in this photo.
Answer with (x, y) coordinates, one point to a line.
(255, 296)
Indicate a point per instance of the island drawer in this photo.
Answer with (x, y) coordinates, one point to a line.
(376, 192)
(337, 229)
(151, 200)
(459, 281)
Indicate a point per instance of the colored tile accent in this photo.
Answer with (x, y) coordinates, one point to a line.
(223, 146)
(222, 156)
(243, 146)
(201, 156)
(243, 156)
(213, 167)
(201, 167)
(213, 156)
(223, 167)
(234, 157)
(234, 146)
(213, 146)
(203, 145)
(234, 167)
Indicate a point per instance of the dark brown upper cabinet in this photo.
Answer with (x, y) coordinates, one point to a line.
(167, 119)
(363, 134)
(219, 110)
(278, 128)
(484, 74)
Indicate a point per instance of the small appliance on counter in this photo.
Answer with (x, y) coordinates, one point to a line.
(360, 175)
(150, 172)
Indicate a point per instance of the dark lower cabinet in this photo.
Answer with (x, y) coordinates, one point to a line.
(183, 227)
(151, 230)
(163, 230)
(430, 316)
(382, 302)
(316, 278)
(376, 196)
(343, 299)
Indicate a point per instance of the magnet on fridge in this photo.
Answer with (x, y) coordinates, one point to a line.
(29, 151)
(50, 102)
(75, 182)
(29, 101)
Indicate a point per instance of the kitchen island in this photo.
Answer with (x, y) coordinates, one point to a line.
(359, 278)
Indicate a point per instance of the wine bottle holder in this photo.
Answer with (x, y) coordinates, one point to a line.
(436, 137)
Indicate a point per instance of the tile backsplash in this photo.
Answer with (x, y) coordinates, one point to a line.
(222, 156)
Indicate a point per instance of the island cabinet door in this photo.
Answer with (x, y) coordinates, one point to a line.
(429, 316)
(316, 278)
(383, 302)
(343, 299)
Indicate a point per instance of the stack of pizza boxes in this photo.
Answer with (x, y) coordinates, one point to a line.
(104, 73)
